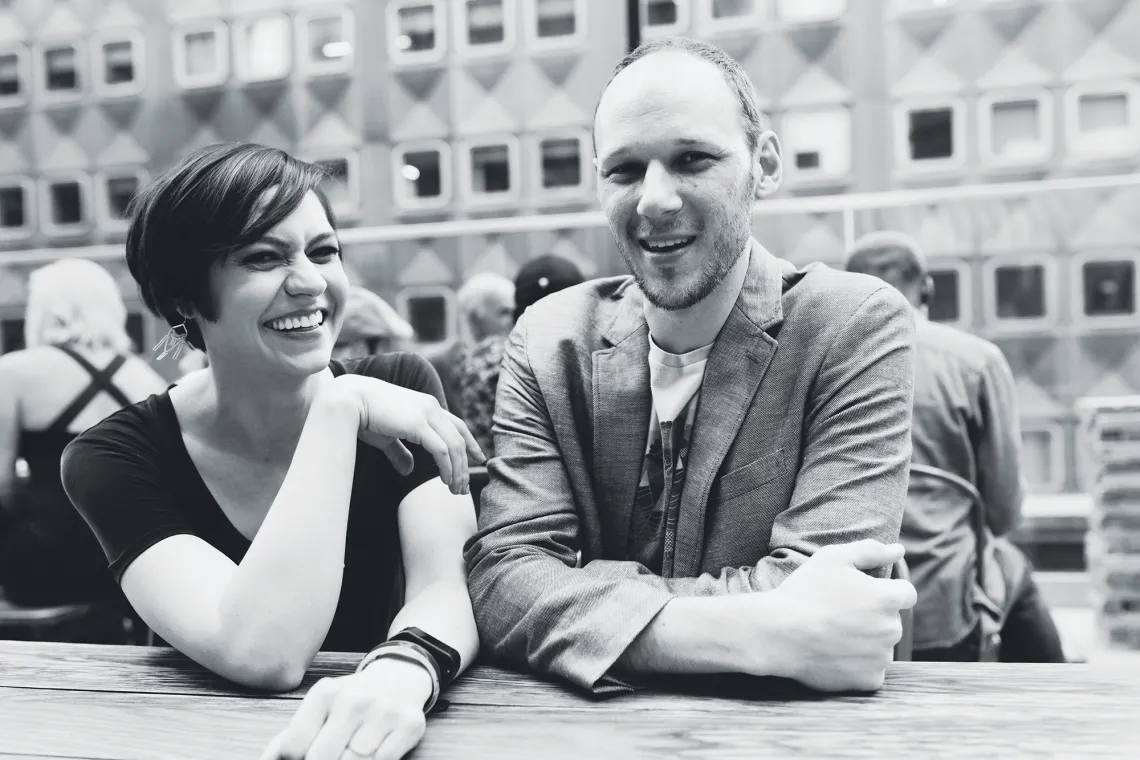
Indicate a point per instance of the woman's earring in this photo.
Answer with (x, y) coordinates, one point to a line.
(173, 341)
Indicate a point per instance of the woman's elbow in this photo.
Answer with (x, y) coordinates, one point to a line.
(263, 669)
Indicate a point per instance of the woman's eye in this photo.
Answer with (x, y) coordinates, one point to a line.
(261, 257)
(325, 253)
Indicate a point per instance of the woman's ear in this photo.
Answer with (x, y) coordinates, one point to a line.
(769, 165)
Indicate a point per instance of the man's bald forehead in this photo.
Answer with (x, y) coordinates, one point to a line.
(659, 67)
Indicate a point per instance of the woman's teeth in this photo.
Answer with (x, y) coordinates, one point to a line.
(285, 324)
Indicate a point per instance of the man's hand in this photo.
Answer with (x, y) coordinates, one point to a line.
(838, 626)
(376, 713)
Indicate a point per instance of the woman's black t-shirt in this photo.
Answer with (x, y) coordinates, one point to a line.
(132, 479)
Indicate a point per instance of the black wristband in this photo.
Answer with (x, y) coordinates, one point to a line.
(447, 660)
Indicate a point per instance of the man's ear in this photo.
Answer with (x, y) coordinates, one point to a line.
(926, 297)
(769, 166)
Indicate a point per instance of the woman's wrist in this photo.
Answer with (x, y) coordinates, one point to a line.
(338, 400)
(406, 674)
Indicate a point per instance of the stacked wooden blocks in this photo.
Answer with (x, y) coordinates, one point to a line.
(1110, 471)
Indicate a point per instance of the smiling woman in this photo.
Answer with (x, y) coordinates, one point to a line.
(264, 507)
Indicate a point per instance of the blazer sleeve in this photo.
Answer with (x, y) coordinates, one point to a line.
(534, 607)
(852, 480)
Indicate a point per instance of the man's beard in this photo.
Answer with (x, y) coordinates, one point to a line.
(731, 231)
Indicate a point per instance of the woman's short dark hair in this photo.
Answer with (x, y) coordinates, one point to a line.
(211, 204)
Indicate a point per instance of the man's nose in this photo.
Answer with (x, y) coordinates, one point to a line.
(659, 196)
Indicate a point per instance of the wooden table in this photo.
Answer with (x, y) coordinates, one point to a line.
(75, 701)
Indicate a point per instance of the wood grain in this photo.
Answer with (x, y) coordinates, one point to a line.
(175, 727)
(115, 703)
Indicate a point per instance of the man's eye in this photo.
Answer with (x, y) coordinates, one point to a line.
(623, 171)
(693, 157)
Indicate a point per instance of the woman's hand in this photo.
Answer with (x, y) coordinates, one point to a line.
(391, 413)
(377, 713)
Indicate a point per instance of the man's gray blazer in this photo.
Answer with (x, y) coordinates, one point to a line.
(802, 439)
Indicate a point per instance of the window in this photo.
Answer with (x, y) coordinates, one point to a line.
(342, 182)
(491, 166)
(326, 41)
(733, 15)
(119, 65)
(64, 202)
(200, 55)
(118, 188)
(430, 312)
(61, 77)
(1042, 456)
(560, 163)
(1016, 128)
(819, 143)
(949, 302)
(556, 23)
(422, 174)
(262, 49)
(13, 77)
(16, 218)
(664, 17)
(1103, 120)
(416, 31)
(929, 135)
(1020, 292)
(1104, 290)
(798, 11)
(485, 26)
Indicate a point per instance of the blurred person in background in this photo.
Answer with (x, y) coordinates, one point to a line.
(371, 327)
(76, 369)
(965, 424)
(486, 304)
(279, 501)
(478, 370)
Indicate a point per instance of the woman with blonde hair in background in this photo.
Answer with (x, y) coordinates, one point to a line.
(76, 369)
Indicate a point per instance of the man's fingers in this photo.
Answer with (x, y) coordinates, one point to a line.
(897, 593)
(867, 554)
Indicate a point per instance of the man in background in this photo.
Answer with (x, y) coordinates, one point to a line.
(965, 428)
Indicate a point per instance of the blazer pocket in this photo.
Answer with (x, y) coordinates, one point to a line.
(752, 475)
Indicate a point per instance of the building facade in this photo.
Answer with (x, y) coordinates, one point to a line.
(429, 111)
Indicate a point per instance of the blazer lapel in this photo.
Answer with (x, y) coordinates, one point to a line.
(736, 366)
(622, 407)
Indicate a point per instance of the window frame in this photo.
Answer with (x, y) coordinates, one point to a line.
(465, 50)
(48, 226)
(31, 207)
(816, 19)
(536, 44)
(182, 77)
(1045, 106)
(963, 269)
(1057, 469)
(438, 53)
(98, 62)
(351, 156)
(897, 8)
(240, 53)
(23, 72)
(1077, 285)
(797, 178)
(907, 166)
(407, 202)
(749, 23)
(581, 191)
(1075, 145)
(451, 324)
(684, 20)
(103, 216)
(1014, 325)
(469, 197)
(302, 58)
(82, 72)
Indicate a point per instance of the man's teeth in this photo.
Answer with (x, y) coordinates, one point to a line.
(296, 323)
(659, 245)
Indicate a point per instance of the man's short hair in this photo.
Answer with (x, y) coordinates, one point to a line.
(911, 259)
(754, 120)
